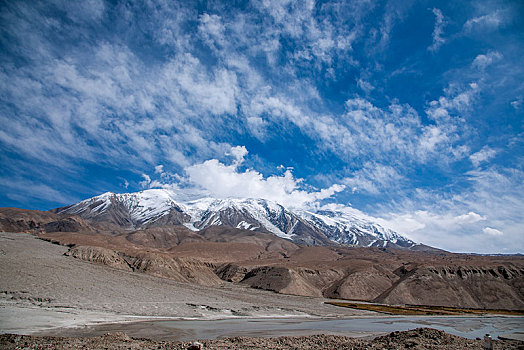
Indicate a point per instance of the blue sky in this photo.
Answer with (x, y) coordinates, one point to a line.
(409, 111)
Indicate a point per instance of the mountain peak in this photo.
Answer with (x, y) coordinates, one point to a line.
(156, 207)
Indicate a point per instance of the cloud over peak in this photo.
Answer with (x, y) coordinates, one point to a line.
(219, 180)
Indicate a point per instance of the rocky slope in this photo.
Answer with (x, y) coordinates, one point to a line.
(485, 286)
(389, 276)
(22, 220)
(160, 265)
(268, 262)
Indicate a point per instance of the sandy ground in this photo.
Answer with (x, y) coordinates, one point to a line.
(42, 290)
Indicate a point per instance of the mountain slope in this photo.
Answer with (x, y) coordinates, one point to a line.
(23, 220)
(348, 228)
(256, 215)
(130, 210)
(156, 207)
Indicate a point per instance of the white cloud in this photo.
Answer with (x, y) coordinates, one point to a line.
(257, 127)
(318, 36)
(448, 114)
(365, 85)
(394, 12)
(455, 101)
(212, 29)
(432, 138)
(85, 10)
(225, 181)
(469, 218)
(423, 219)
(382, 133)
(374, 178)
(112, 100)
(159, 169)
(485, 154)
(493, 199)
(365, 129)
(444, 230)
(238, 152)
(481, 62)
(517, 104)
(492, 231)
(147, 180)
(490, 21)
(213, 92)
(378, 133)
(440, 23)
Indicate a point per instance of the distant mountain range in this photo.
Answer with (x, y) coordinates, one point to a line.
(156, 207)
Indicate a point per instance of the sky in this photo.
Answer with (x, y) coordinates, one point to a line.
(410, 112)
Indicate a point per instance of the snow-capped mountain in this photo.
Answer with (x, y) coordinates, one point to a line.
(157, 207)
(249, 214)
(253, 214)
(153, 207)
(348, 228)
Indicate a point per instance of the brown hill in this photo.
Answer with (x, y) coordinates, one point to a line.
(21, 220)
(370, 274)
(485, 286)
(389, 276)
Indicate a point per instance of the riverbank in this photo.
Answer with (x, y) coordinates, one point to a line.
(423, 309)
(422, 338)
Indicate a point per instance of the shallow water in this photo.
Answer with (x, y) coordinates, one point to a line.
(468, 327)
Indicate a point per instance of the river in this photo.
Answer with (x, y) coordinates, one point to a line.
(185, 330)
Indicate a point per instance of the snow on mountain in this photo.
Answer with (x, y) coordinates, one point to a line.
(130, 210)
(349, 228)
(156, 207)
(253, 214)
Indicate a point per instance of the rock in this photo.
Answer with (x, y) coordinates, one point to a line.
(116, 336)
(195, 346)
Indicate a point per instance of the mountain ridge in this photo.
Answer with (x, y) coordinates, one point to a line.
(158, 207)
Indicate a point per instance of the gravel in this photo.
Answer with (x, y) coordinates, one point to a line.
(421, 338)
